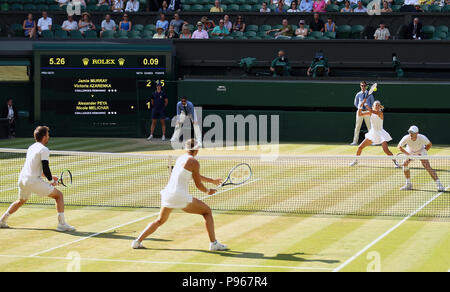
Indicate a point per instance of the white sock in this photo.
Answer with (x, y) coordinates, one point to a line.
(438, 182)
(408, 181)
(61, 219)
(5, 217)
(214, 242)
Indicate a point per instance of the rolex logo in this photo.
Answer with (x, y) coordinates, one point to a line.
(121, 61)
(85, 61)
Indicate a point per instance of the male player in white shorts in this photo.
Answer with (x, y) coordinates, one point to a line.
(30, 181)
(417, 144)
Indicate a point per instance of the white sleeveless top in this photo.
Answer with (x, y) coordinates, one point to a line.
(376, 122)
(179, 179)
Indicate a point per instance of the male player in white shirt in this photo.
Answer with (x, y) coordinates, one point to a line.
(30, 181)
(417, 144)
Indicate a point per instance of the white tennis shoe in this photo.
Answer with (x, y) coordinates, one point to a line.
(65, 228)
(441, 188)
(353, 163)
(396, 164)
(353, 144)
(3, 225)
(163, 138)
(217, 246)
(136, 244)
(406, 187)
(150, 137)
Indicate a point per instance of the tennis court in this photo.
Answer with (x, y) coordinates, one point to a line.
(302, 214)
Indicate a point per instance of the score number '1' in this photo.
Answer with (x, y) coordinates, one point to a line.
(149, 84)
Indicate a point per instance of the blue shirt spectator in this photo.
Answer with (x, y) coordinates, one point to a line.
(306, 6)
(188, 109)
(162, 22)
(360, 97)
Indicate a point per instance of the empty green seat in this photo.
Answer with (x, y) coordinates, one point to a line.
(16, 7)
(75, 35)
(442, 28)
(121, 34)
(56, 26)
(428, 31)
(92, 8)
(265, 27)
(330, 34)
(245, 8)
(250, 33)
(105, 8)
(207, 7)
(440, 34)
(61, 34)
(29, 7)
(435, 8)
(150, 27)
(197, 8)
(315, 34)
(343, 31)
(138, 27)
(357, 31)
(333, 8)
(252, 27)
(90, 34)
(446, 8)
(53, 7)
(108, 34)
(4, 7)
(237, 33)
(134, 33)
(233, 7)
(17, 29)
(396, 8)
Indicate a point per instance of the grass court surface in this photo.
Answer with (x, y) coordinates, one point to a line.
(257, 241)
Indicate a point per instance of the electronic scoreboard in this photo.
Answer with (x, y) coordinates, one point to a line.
(102, 92)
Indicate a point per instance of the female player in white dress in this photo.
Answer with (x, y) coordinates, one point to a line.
(176, 195)
(377, 135)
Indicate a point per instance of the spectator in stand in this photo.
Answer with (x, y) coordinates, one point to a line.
(360, 8)
(227, 23)
(200, 33)
(85, 23)
(220, 30)
(264, 8)
(177, 22)
(330, 25)
(280, 8)
(301, 31)
(306, 6)
(275, 2)
(44, 23)
(105, 2)
(409, 6)
(208, 24)
(414, 30)
(418, 8)
(286, 30)
(125, 24)
(280, 65)
(164, 8)
(117, 6)
(171, 33)
(316, 24)
(386, 8)
(108, 24)
(293, 7)
(382, 33)
(185, 32)
(69, 24)
(74, 2)
(162, 22)
(239, 25)
(61, 2)
(319, 6)
(174, 5)
(132, 6)
(216, 7)
(29, 26)
(288, 2)
(159, 33)
(347, 7)
(10, 112)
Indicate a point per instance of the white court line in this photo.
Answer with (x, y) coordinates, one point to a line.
(116, 227)
(168, 263)
(387, 232)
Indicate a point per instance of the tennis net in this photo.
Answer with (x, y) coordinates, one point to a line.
(290, 184)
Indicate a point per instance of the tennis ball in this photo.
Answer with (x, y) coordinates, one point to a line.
(375, 89)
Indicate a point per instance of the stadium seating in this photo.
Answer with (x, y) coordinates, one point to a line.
(428, 31)
(47, 34)
(357, 31)
(75, 35)
(343, 31)
(90, 35)
(108, 34)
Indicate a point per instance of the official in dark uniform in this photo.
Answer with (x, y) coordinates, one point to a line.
(10, 112)
(159, 103)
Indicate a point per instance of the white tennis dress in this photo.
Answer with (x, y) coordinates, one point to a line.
(377, 134)
(176, 193)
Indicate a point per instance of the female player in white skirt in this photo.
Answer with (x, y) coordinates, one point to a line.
(176, 195)
(377, 135)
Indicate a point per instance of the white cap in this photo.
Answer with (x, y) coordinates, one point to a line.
(413, 129)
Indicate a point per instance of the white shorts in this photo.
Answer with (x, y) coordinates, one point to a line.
(34, 185)
(422, 152)
(175, 201)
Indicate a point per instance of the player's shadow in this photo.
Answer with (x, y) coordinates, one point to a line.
(290, 257)
(107, 235)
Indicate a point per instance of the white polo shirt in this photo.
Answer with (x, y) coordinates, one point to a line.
(415, 147)
(70, 25)
(33, 163)
(44, 24)
(108, 25)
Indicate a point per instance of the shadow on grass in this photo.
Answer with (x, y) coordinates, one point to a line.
(290, 257)
(107, 235)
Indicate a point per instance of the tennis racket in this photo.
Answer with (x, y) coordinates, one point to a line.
(401, 158)
(238, 175)
(66, 178)
(372, 88)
